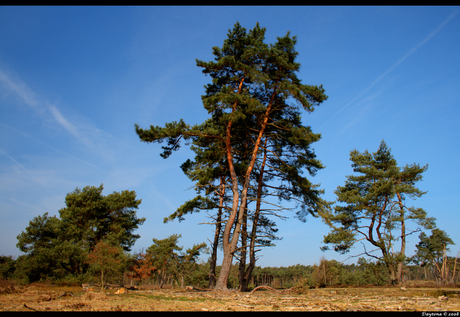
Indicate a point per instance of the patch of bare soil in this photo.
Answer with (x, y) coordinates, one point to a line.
(52, 298)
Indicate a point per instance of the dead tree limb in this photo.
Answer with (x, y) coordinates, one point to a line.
(265, 287)
(30, 307)
(193, 288)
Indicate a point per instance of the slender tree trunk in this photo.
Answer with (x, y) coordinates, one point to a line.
(243, 251)
(212, 265)
(244, 247)
(252, 257)
(444, 267)
(455, 266)
(212, 269)
(403, 240)
(392, 272)
(229, 247)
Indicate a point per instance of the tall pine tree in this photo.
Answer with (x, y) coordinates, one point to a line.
(254, 91)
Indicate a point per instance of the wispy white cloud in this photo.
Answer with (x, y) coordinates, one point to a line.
(19, 89)
(63, 121)
(402, 59)
(91, 137)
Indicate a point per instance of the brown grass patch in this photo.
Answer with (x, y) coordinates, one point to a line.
(94, 296)
(7, 287)
(48, 298)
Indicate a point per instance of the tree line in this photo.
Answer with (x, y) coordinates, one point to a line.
(253, 157)
(164, 266)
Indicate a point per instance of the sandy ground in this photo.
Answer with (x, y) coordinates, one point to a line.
(53, 298)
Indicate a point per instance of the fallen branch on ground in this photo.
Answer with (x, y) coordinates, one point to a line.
(266, 287)
(29, 307)
(193, 288)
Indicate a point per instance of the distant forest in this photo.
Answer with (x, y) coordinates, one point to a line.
(328, 273)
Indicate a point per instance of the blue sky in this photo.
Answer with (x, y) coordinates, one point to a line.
(75, 80)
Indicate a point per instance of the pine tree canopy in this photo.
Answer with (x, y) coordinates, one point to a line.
(57, 247)
(254, 133)
(372, 207)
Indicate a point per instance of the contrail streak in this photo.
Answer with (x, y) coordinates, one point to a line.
(415, 48)
(27, 171)
(28, 136)
(20, 89)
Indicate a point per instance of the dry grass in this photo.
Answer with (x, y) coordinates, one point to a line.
(39, 297)
(7, 287)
